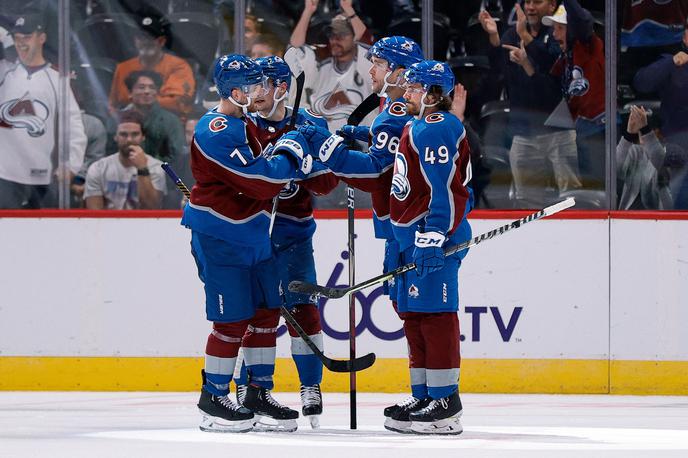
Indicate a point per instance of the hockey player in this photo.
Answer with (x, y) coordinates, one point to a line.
(229, 216)
(292, 234)
(430, 199)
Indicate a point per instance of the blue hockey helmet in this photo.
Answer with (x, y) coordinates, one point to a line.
(398, 51)
(431, 73)
(236, 71)
(275, 68)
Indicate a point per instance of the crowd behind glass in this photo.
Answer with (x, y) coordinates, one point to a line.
(531, 92)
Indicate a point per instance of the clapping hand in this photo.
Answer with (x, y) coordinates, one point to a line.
(637, 119)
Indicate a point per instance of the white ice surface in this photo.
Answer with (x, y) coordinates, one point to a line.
(94, 425)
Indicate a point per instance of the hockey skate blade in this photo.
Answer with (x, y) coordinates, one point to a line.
(314, 420)
(267, 424)
(403, 427)
(212, 424)
(446, 426)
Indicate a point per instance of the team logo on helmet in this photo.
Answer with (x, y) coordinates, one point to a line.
(234, 65)
(217, 124)
(438, 68)
(407, 46)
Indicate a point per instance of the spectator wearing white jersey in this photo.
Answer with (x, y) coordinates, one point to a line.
(29, 102)
(339, 81)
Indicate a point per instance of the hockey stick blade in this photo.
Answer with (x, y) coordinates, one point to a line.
(334, 293)
(361, 111)
(333, 365)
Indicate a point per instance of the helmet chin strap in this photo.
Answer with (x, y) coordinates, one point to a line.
(275, 102)
(244, 107)
(423, 105)
(383, 91)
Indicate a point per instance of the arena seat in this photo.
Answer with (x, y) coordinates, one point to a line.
(108, 35)
(195, 37)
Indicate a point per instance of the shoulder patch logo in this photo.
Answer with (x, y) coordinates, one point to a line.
(397, 109)
(434, 117)
(217, 124)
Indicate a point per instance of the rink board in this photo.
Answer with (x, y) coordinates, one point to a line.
(115, 304)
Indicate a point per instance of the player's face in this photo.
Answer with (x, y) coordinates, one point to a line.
(378, 71)
(413, 95)
(537, 9)
(559, 32)
(144, 91)
(264, 102)
(128, 134)
(29, 46)
(341, 44)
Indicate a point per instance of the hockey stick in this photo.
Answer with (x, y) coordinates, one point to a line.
(292, 124)
(361, 111)
(333, 365)
(334, 293)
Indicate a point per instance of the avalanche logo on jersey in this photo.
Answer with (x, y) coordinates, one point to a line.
(579, 83)
(24, 113)
(397, 109)
(401, 188)
(217, 124)
(413, 291)
(289, 190)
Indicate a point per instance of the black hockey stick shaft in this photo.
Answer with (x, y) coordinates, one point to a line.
(291, 126)
(332, 364)
(307, 288)
(354, 119)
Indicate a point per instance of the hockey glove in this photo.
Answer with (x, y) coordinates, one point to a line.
(428, 255)
(360, 133)
(315, 136)
(295, 145)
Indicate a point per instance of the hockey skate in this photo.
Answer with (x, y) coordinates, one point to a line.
(397, 416)
(441, 416)
(311, 400)
(221, 415)
(269, 414)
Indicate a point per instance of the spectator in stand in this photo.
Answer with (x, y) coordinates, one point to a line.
(640, 166)
(525, 54)
(266, 45)
(128, 179)
(338, 83)
(669, 77)
(164, 131)
(580, 68)
(177, 89)
(28, 120)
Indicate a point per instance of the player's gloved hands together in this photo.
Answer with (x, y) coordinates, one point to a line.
(360, 133)
(322, 141)
(315, 136)
(428, 255)
(295, 145)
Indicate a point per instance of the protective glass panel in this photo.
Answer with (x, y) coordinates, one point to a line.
(652, 152)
